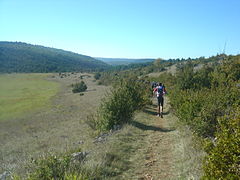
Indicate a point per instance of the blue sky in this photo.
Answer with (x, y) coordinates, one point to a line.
(125, 28)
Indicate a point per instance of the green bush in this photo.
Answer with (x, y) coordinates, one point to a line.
(50, 167)
(79, 87)
(61, 166)
(97, 76)
(204, 99)
(201, 97)
(119, 105)
(223, 161)
(185, 76)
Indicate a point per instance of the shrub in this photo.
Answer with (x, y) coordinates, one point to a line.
(61, 166)
(79, 87)
(223, 161)
(97, 76)
(119, 105)
(50, 167)
(201, 97)
(185, 77)
(206, 100)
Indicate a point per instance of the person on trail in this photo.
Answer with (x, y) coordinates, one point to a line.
(160, 90)
(154, 85)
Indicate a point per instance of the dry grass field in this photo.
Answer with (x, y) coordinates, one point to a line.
(58, 127)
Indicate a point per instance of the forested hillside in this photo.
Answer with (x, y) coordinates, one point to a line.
(22, 57)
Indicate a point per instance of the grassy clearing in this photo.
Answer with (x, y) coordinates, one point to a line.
(55, 127)
(21, 93)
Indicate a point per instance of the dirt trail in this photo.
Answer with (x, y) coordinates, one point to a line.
(159, 157)
(166, 151)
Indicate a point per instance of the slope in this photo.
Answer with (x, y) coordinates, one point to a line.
(22, 57)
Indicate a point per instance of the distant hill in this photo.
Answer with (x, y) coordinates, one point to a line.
(123, 61)
(23, 57)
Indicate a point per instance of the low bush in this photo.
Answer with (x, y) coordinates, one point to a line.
(61, 166)
(223, 161)
(206, 100)
(97, 76)
(79, 87)
(50, 167)
(201, 97)
(200, 109)
(119, 105)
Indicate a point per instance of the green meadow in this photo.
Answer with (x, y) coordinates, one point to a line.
(23, 93)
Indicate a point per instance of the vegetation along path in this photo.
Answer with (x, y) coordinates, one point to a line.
(165, 150)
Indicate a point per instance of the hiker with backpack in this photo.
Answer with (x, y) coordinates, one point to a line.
(160, 90)
(154, 85)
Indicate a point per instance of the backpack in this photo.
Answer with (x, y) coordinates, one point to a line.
(160, 91)
(154, 85)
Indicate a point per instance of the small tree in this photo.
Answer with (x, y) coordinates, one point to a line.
(79, 87)
(119, 105)
(97, 76)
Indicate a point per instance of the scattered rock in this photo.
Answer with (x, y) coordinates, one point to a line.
(148, 177)
(102, 137)
(80, 142)
(79, 156)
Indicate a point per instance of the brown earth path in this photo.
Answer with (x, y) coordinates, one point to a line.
(166, 151)
(159, 157)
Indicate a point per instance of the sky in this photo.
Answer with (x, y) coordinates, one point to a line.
(125, 28)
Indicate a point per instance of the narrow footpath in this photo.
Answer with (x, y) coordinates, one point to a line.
(165, 151)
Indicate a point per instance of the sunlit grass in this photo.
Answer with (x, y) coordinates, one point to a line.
(22, 93)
